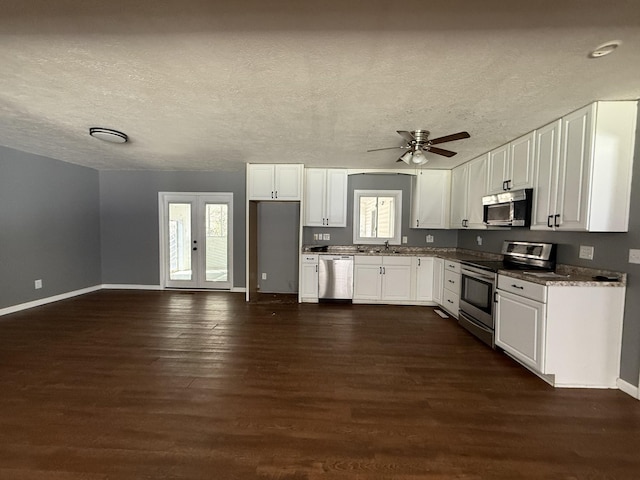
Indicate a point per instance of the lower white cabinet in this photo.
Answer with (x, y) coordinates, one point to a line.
(383, 279)
(309, 278)
(570, 335)
(423, 268)
(451, 287)
(520, 328)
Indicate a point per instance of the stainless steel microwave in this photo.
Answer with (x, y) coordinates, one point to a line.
(508, 209)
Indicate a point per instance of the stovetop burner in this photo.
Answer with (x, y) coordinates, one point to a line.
(520, 256)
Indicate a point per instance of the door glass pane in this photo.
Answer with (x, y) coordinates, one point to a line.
(216, 217)
(180, 241)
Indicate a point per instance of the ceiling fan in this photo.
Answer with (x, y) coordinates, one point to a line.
(418, 143)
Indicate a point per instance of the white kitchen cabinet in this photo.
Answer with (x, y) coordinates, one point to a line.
(451, 287)
(582, 179)
(382, 279)
(309, 278)
(423, 268)
(281, 182)
(570, 335)
(430, 199)
(468, 186)
(438, 278)
(325, 197)
(510, 167)
(520, 328)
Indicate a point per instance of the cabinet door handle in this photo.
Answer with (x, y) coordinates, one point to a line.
(517, 286)
(327, 221)
(504, 185)
(556, 217)
(384, 271)
(276, 193)
(549, 221)
(451, 281)
(450, 301)
(271, 194)
(508, 184)
(418, 262)
(380, 270)
(417, 223)
(495, 297)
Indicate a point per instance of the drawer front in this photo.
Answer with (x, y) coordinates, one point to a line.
(451, 302)
(452, 266)
(309, 258)
(534, 291)
(367, 260)
(401, 260)
(452, 281)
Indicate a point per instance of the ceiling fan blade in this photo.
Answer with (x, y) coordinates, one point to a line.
(440, 151)
(386, 148)
(406, 135)
(450, 138)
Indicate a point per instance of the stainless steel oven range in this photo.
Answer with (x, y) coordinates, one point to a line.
(479, 279)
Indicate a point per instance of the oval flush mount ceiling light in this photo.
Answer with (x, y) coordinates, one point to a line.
(605, 49)
(108, 135)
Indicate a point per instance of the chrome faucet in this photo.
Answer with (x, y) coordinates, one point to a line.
(386, 245)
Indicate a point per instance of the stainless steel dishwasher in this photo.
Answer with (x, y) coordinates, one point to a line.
(335, 277)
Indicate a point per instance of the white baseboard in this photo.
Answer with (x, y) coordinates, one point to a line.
(629, 389)
(238, 290)
(44, 301)
(124, 286)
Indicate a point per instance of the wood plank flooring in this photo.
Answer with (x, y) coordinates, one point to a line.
(176, 385)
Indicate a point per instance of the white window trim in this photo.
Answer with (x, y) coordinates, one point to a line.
(396, 239)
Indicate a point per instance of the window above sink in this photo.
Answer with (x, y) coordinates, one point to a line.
(377, 217)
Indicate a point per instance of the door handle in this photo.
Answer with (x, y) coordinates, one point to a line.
(555, 219)
(195, 248)
(549, 221)
(276, 193)
(508, 184)
(504, 185)
(517, 286)
(384, 271)
(380, 270)
(418, 262)
(272, 194)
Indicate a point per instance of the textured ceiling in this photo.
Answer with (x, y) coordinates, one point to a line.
(203, 85)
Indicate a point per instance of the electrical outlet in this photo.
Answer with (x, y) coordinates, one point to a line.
(38, 284)
(404, 239)
(586, 252)
(634, 255)
(429, 238)
(326, 236)
(264, 276)
(315, 236)
(479, 240)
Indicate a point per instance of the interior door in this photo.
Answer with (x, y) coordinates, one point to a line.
(196, 240)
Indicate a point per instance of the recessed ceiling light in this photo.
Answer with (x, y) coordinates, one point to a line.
(605, 49)
(108, 135)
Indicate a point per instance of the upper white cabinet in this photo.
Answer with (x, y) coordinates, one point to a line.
(275, 182)
(468, 186)
(325, 197)
(430, 197)
(511, 166)
(582, 179)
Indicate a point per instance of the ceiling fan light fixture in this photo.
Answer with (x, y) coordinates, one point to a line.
(108, 135)
(418, 158)
(406, 158)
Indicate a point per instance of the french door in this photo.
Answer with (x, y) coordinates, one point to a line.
(196, 241)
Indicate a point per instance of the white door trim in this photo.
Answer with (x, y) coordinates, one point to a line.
(198, 200)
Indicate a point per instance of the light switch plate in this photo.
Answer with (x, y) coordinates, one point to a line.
(326, 236)
(404, 239)
(264, 276)
(586, 252)
(634, 255)
(38, 284)
(429, 238)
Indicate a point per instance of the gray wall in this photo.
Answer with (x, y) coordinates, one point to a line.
(415, 237)
(50, 227)
(278, 249)
(611, 252)
(129, 220)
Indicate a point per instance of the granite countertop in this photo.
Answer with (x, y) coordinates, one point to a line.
(569, 276)
(565, 275)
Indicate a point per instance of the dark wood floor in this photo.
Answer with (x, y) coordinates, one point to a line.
(176, 385)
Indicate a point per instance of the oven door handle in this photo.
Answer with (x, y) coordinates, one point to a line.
(484, 276)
